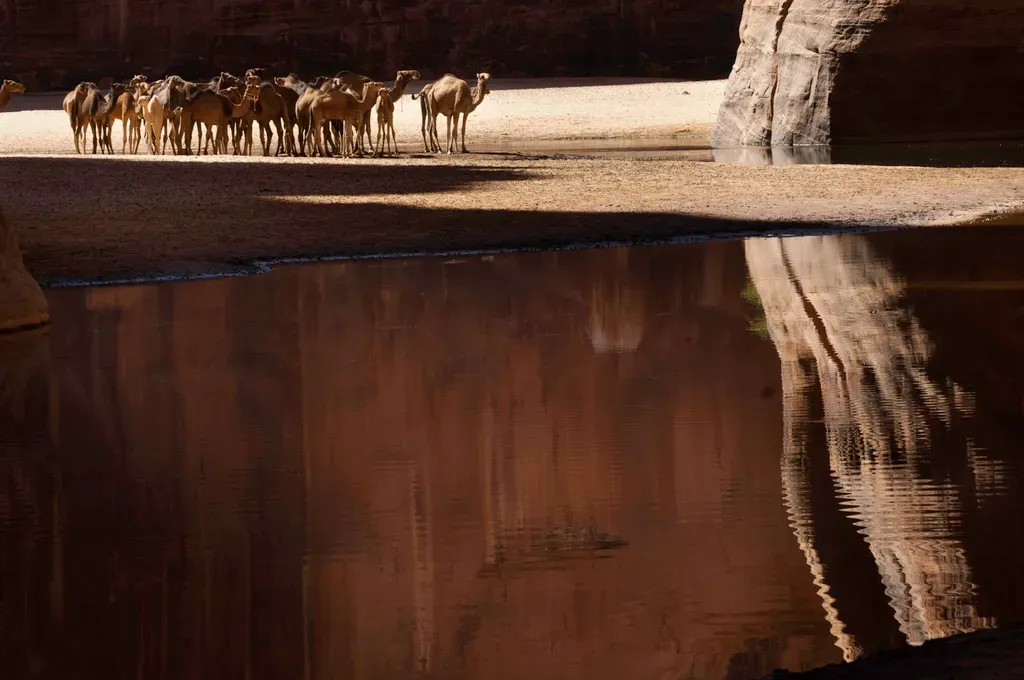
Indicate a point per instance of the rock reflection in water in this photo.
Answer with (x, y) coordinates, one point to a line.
(845, 337)
(402, 468)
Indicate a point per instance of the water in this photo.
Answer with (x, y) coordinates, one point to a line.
(702, 460)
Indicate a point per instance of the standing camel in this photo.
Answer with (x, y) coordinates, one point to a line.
(385, 123)
(95, 111)
(452, 97)
(215, 110)
(72, 103)
(344, 106)
(8, 88)
(428, 140)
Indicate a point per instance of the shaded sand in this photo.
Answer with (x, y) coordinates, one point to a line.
(101, 217)
(516, 110)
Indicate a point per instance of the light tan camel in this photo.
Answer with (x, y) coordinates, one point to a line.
(214, 110)
(452, 97)
(166, 97)
(344, 106)
(8, 88)
(303, 115)
(72, 103)
(385, 123)
(428, 140)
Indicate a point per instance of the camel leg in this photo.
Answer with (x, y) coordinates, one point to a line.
(448, 136)
(368, 129)
(280, 136)
(394, 137)
(465, 117)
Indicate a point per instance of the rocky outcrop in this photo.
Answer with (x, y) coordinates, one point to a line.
(22, 303)
(51, 42)
(820, 72)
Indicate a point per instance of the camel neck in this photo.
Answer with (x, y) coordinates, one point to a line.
(5, 96)
(478, 95)
(398, 90)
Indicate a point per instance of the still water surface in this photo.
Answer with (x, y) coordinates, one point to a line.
(703, 460)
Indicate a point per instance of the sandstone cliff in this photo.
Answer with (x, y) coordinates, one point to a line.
(22, 303)
(819, 72)
(55, 43)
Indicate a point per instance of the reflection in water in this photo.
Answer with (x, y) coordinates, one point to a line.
(549, 465)
(537, 465)
(834, 312)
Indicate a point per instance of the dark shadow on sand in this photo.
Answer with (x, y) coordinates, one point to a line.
(112, 221)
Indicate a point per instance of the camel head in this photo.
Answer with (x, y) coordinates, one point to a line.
(256, 72)
(253, 79)
(14, 86)
(252, 92)
(481, 81)
(117, 89)
(137, 80)
(408, 76)
(225, 79)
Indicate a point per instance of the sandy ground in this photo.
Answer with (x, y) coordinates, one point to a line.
(516, 111)
(104, 218)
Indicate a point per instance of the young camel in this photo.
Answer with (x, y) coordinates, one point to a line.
(385, 123)
(214, 109)
(344, 106)
(452, 97)
(8, 88)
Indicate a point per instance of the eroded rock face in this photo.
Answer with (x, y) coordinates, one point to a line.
(22, 303)
(820, 72)
(198, 38)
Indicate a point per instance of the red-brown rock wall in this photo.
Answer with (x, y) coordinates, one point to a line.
(58, 42)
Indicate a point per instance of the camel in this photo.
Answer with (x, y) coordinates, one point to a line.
(344, 106)
(402, 80)
(125, 110)
(452, 97)
(302, 111)
(214, 109)
(8, 88)
(165, 98)
(95, 110)
(72, 103)
(385, 123)
(355, 82)
(270, 108)
(423, 96)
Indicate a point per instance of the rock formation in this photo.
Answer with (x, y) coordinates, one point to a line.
(49, 42)
(22, 303)
(818, 72)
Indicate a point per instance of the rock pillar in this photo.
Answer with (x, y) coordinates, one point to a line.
(831, 71)
(22, 303)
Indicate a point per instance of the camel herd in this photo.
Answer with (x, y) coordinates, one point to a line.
(333, 114)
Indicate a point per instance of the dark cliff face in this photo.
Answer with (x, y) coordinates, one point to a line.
(56, 43)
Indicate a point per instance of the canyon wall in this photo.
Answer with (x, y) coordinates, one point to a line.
(56, 43)
(820, 72)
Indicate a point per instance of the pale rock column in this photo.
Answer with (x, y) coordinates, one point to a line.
(22, 303)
